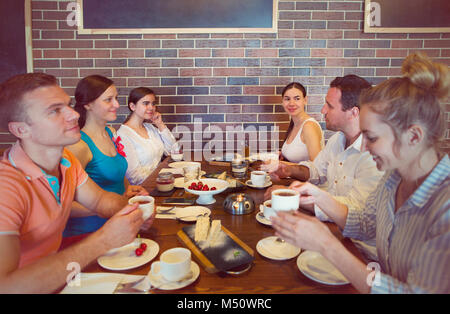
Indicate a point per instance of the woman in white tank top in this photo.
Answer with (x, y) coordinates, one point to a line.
(304, 139)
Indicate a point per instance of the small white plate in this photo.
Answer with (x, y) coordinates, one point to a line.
(280, 251)
(160, 283)
(263, 220)
(316, 267)
(266, 184)
(190, 213)
(124, 258)
(181, 164)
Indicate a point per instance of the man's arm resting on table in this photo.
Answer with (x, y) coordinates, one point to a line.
(299, 172)
(285, 170)
(50, 273)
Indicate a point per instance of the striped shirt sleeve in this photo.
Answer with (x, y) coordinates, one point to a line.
(361, 224)
(429, 272)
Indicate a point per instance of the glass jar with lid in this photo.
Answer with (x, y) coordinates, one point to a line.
(165, 182)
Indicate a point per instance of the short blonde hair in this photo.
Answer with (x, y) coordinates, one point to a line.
(413, 98)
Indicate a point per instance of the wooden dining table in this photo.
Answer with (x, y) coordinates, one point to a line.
(266, 276)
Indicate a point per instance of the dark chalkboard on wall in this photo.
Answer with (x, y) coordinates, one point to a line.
(177, 16)
(15, 38)
(407, 16)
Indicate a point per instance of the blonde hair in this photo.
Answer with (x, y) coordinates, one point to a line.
(413, 98)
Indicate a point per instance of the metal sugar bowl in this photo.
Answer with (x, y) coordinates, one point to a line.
(239, 204)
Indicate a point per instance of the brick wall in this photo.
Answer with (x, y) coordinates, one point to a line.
(230, 80)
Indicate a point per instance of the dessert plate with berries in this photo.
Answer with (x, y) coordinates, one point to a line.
(205, 189)
(137, 253)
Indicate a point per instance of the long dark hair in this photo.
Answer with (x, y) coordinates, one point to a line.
(135, 95)
(89, 89)
(285, 89)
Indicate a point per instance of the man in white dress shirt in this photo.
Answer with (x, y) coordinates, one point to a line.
(345, 171)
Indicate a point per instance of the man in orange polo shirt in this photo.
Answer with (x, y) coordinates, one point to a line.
(38, 182)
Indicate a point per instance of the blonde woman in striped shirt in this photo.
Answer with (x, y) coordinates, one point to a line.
(409, 213)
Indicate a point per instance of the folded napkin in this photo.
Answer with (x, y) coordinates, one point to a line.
(170, 215)
(189, 212)
(173, 170)
(97, 283)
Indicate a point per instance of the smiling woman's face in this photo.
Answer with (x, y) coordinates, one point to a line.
(106, 105)
(145, 107)
(294, 102)
(379, 140)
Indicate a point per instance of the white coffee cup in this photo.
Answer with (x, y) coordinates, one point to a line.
(268, 210)
(174, 264)
(258, 178)
(176, 156)
(146, 205)
(285, 200)
(176, 152)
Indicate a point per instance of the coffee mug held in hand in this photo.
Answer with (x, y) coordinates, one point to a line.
(174, 264)
(146, 205)
(285, 200)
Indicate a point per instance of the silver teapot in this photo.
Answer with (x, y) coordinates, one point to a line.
(239, 204)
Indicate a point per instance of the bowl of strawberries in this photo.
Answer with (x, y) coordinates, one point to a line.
(205, 189)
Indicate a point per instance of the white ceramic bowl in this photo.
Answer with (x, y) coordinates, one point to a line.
(206, 197)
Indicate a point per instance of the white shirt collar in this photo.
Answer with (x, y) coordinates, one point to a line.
(356, 144)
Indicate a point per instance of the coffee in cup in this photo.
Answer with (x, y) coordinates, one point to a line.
(258, 178)
(174, 264)
(285, 200)
(146, 204)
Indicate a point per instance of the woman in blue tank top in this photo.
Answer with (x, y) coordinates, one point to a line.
(99, 151)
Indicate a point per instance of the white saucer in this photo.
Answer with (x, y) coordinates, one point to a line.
(266, 184)
(316, 267)
(124, 257)
(181, 164)
(160, 283)
(279, 251)
(263, 220)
